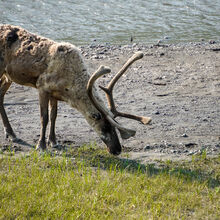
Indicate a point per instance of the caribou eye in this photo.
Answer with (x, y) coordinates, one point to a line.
(66, 89)
(97, 116)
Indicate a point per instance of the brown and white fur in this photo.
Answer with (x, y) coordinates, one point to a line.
(58, 71)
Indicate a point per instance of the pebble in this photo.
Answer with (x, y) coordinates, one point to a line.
(157, 113)
(173, 151)
(190, 145)
(148, 147)
(190, 153)
(166, 38)
(159, 41)
(185, 135)
(212, 42)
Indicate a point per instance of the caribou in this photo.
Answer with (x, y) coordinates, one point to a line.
(58, 72)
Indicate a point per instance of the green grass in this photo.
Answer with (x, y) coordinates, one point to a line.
(96, 185)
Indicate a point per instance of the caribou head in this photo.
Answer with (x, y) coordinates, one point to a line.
(108, 117)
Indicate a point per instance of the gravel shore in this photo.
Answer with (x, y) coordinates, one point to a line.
(178, 86)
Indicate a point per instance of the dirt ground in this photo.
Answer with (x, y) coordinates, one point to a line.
(178, 86)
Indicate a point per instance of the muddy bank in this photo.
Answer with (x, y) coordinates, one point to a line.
(178, 86)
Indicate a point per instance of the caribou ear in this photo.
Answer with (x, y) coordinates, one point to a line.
(126, 134)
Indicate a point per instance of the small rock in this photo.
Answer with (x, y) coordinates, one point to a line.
(101, 52)
(212, 42)
(148, 147)
(157, 113)
(190, 153)
(185, 135)
(159, 41)
(166, 38)
(92, 46)
(95, 57)
(190, 145)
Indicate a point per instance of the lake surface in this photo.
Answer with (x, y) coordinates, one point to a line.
(115, 21)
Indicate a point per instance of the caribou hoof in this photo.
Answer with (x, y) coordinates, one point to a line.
(11, 137)
(41, 146)
(53, 144)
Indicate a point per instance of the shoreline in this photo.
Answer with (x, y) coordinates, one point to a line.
(139, 45)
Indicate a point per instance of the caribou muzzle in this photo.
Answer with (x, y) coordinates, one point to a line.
(110, 138)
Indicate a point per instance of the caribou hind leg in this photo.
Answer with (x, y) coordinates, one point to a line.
(44, 101)
(4, 86)
(53, 115)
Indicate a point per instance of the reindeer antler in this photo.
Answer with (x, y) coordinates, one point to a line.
(110, 116)
(125, 132)
(109, 91)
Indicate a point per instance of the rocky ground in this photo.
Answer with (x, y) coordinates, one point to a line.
(178, 86)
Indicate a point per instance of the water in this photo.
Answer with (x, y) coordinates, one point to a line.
(115, 21)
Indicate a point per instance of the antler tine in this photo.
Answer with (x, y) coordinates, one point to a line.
(136, 56)
(144, 120)
(109, 91)
(100, 72)
(125, 132)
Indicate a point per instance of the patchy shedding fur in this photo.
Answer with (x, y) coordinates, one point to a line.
(57, 70)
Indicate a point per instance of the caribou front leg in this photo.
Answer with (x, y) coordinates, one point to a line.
(43, 100)
(53, 115)
(4, 86)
